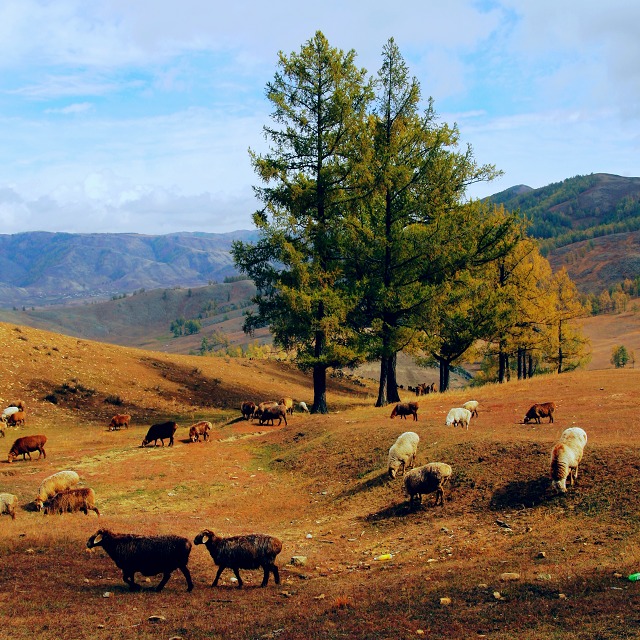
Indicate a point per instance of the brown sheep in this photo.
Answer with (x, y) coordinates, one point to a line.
(271, 413)
(119, 420)
(17, 418)
(70, 501)
(200, 429)
(262, 406)
(288, 405)
(26, 445)
(537, 411)
(404, 409)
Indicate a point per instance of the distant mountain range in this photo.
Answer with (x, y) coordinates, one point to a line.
(589, 224)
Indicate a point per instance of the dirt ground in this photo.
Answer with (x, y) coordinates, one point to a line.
(504, 557)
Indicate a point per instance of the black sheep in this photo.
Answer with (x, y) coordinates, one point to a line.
(148, 555)
(242, 552)
(160, 432)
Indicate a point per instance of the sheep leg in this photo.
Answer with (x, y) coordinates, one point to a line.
(266, 568)
(94, 509)
(276, 575)
(187, 576)
(220, 570)
(165, 578)
(129, 579)
(237, 572)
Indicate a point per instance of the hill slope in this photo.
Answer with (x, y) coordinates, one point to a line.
(509, 558)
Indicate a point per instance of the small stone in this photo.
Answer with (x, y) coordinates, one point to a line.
(562, 596)
(286, 594)
(445, 602)
(420, 632)
(107, 594)
(320, 597)
(509, 577)
(100, 626)
(299, 561)
(617, 575)
(308, 536)
(543, 576)
(156, 618)
(542, 554)
(482, 585)
(497, 595)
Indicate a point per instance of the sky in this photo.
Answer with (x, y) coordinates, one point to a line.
(137, 116)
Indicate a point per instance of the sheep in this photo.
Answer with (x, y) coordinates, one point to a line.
(8, 412)
(566, 456)
(200, 429)
(55, 483)
(458, 416)
(260, 409)
(17, 418)
(119, 420)
(288, 405)
(148, 555)
(8, 504)
(427, 479)
(402, 453)
(302, 406)
(471, 405)
(26, 445)
(271, 413)
(537, 411)
(242, 552)
(70, 501)
(247, 409)
(404, 409)
(160, 432)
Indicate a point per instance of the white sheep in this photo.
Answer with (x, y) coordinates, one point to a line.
(55, 483)
(471, 405)
(8, 504)
(427, 479)
(459, 416)
(9, 411)
(566, 456)
(302, 406)
(402, 453)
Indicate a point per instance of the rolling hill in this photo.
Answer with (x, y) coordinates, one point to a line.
(504, 557)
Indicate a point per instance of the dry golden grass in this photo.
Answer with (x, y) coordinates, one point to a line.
(323, 477)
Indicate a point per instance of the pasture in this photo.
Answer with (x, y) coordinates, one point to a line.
(320, 485)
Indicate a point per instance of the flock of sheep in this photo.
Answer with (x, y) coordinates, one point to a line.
(153, 555)
(566, 454)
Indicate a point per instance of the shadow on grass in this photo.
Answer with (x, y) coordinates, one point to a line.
(377, 481)
(521, 493)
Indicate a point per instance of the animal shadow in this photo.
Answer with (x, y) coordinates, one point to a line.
(520, 493)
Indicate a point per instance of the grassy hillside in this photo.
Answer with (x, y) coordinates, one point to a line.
(320, 485)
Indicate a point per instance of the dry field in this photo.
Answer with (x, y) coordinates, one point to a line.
(320, 485)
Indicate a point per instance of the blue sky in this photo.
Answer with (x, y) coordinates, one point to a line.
(121, 116)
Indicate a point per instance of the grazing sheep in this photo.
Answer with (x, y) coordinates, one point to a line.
(404, 409)
(55, 483)
(288, 405)
(148, 555)
(17, 418)
(271, 413)
(26, 445)
(9, 411)
(8, 504)
(427, 479)
(242, 552)
(119, 420)
(262, 406)
(200, 429)
(160, 432)
(537, 411)
(402, 453)
(70, 501)
(566, 456)
(459, 416)
(248, 409)
(471, 405)
(302, 406)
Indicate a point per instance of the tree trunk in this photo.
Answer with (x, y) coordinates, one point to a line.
(502, 365)
(392, 381)
(530, 365)
(560, 354)
(382, 400)
(444, 374)
(319, 389)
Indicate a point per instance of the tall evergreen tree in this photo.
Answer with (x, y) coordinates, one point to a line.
(414, 231)
(320, 100)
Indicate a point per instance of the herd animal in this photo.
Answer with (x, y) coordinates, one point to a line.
(404, 409)
(402, 453)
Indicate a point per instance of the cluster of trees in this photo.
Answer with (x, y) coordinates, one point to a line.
(368, 245)
(621, 357)
(615, 299)
(183, 327)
